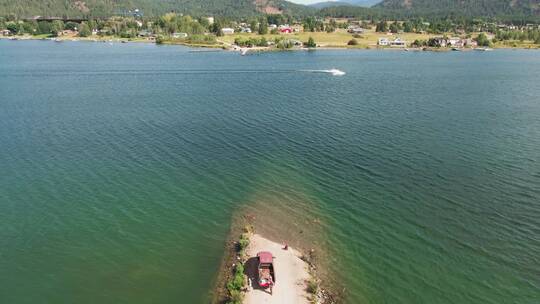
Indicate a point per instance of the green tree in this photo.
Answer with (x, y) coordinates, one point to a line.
(253, 25)
(57, 26)
(381, 27)
(482, 40)
(216, 28)
(311, 43)
(13, 27)
(203, 21)
(29, 27)
(408, 27)
(394, 28)
(263, 27)
(44, 27)
(72, 26)
(85, 30)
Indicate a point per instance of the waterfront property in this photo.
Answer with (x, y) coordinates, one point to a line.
(456, 42)
(383, 41)
(353, 29)
(179, 35)
(398, 42)
(227, 31)
(285, 29)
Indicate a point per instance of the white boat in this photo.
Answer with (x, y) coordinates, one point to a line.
(483, 49)
(336, 72)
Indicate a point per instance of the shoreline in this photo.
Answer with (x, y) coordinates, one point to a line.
(225, 47)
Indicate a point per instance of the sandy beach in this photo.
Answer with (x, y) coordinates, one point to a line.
(291, 274)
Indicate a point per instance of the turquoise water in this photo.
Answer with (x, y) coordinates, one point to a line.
(122, 165)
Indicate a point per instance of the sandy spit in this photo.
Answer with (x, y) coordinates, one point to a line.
(292, 273)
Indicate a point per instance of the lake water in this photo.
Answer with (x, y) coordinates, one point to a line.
(122, 166)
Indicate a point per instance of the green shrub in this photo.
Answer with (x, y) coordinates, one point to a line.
(243, 243)
(235, 285)
(312, 286)
(235, 297)
(311, 43)
(352, 42)
(201, 39)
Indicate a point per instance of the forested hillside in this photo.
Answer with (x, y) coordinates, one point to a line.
(392, 9)
(464, 7)
(363, 3)
(507, 10)
(73, 8)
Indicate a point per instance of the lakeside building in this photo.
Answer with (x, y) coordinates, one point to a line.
(285, 29)
(145, 34)
(456, 42)
(398, 42)
(68, 32)
(244, 28)
(355, 29)
(5, 33)
(179, 35)
(227, 31)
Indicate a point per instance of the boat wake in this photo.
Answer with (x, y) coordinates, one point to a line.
(334, 72)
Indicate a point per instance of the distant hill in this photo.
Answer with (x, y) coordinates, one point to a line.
(363, 3)
(464, 7)
(72, 8)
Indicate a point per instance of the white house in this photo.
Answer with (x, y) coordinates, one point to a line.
(245, 29)
(398, 43)
(455, 42)
(179, 35)
(355, 29)
(227, 31)
(383, 41)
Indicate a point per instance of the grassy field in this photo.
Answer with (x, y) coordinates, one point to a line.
(339, 38)
(516, 44)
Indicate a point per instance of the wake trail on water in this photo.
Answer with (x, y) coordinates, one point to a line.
(333, 72)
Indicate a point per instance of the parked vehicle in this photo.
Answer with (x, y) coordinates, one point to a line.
(267, 276)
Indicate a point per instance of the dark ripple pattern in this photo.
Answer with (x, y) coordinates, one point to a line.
(123, 164)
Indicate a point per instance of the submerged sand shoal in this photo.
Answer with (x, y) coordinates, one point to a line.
(292, 274)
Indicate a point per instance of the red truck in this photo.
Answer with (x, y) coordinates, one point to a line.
(267, 276)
